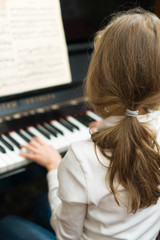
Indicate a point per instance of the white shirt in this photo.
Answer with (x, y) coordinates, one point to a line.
(82, 206)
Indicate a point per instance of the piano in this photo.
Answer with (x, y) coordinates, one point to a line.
(58, 115)
(57, 125)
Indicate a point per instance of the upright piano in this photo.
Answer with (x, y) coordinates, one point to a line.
(58, 115)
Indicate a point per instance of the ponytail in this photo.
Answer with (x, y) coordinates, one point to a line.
(135, 161)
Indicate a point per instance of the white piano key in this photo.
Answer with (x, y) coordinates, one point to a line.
(9, 157)
(93, 115)
(77, 123)
(45, 131)
(62, 143)
(20, 140)
(25, 134)
(38, 134)
(70, 136)
(58, 142)
(19, 161)
(83, 130)
(3, 164)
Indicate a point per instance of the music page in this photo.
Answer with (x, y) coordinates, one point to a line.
(33, 51)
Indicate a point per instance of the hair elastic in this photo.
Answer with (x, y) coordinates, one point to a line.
(131, 113)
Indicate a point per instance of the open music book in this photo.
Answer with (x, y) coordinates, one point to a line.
(33, 51)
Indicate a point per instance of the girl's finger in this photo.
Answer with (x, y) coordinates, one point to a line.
(34, 144)
(30, 148)
(94, 124)
(92, 130)
(28, 156)
(39, 140)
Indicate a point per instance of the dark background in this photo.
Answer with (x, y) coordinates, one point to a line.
(82, 18)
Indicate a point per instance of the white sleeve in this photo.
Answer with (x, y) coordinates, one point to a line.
(68, 202)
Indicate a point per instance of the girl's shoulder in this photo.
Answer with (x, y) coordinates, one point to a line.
(88, 155)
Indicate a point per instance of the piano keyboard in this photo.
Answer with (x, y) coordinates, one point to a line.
(59, 133)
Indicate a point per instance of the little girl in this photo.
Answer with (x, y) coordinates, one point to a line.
(108, 187)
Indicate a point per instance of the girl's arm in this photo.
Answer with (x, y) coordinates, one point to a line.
(67, 192)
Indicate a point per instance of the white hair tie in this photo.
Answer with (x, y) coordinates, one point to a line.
(131, 113)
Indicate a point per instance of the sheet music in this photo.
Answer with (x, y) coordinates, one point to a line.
(33, 52)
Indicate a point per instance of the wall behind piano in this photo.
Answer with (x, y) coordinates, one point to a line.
(82, 19)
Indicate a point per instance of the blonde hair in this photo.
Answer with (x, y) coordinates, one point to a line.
(125, 73)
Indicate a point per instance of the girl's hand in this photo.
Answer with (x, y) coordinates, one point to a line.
(42, 154)
(93, 126)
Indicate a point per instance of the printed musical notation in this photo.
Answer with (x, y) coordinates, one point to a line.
(33, 51)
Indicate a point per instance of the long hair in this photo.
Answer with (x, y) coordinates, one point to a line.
(124, 73)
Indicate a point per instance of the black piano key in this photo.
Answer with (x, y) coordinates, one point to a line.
(29, 133)
(23, 136)
(2, 149)
(66, 124)
(84, 119)
(89, 119)
(51, 130)
(43, 132)
(74, 125)
(57, 129)
(13, 140)
(8, 145)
